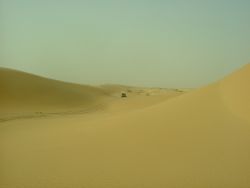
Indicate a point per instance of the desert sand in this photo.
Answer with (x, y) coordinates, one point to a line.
(55, 134)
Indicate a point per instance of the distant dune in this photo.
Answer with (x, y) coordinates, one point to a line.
(192, 140)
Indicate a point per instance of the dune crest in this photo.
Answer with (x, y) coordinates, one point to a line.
(22, 89)
(235, 92)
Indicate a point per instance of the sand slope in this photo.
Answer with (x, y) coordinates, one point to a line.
(26, 90)
(235, 90)
(199, 139)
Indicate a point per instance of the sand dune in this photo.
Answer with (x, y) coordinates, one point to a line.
(26, 91)
(24, 95)
(199, 139)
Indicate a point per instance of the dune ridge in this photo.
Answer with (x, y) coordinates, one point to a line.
(235, 91)
(19, 88)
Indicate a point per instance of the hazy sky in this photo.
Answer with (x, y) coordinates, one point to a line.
(166, 43)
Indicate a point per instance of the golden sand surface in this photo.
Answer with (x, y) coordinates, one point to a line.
(62, 135)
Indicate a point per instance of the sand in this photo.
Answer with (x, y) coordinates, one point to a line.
(153, 138)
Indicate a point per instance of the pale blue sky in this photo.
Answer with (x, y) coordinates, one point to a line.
(165, 43)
